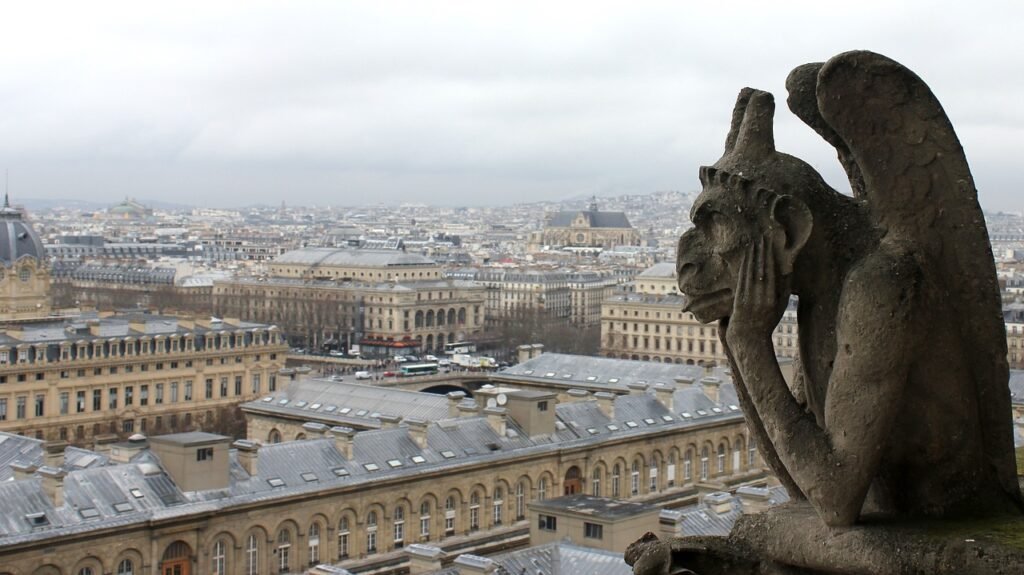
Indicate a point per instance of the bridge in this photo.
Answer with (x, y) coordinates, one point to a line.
(441, 383)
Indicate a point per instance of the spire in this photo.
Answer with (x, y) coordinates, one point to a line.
(593, 203)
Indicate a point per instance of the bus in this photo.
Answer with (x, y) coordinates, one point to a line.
(459, 347)
(417, 369)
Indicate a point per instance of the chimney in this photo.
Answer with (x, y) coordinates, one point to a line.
(417, 431)
(94, 327)
(709, 367)
(53, 484)
(467, 408)
(248, 453)
(496, 419)
(23, 470)
(637, 388)
(467, 564)
(54, 456)
(718, 502)
(683, 381)
(423, 558)
(665, 394)
(754, 499)
(123, 452)
(578, 394)
(454, 398)
(606, 403)
(137, 323)
(101, 443)
(343, 437)
(388, 420)
(710, 386)
(314, 430)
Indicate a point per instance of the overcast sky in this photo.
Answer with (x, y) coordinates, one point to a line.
(456, 103)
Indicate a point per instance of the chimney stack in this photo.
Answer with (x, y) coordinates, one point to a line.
(54, 456)
(248, 455)
(314, 430)
(22, 470)
(343, 438)
(423, 558)
(754, 499)
(683, 381)
(710, 386)
(719, 502)
(606, 403)
(467, 408)
(454, 399)
(665, 395)
(53, 484)
(496, 419)
(578, 394)
(637, 388)
(467, 564)
(417, 431)
(388, 420)
(709, 367)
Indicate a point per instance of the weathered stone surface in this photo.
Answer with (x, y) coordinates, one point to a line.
(902, 411)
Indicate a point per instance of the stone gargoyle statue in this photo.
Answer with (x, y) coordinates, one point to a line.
(899, 411)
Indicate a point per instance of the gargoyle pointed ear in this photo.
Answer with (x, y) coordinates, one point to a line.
(755, 135)
(737, 118)
(792, 222)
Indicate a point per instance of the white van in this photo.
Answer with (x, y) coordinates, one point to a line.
(363, 375)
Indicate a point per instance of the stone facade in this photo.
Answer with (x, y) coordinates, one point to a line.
(590, 228)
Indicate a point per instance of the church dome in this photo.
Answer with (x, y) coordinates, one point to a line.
(17, 238)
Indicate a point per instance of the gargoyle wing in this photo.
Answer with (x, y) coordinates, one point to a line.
(917, 183)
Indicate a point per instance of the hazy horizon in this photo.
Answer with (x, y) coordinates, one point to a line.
(455, 103)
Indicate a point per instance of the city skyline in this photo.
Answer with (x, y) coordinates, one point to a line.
(452, 103)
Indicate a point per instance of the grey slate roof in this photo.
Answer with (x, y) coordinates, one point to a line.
(345, 403)
(659, 270)
(17, 237)
(353, 257)
(591, 372)
(109, 327)
(564, 219)
(701, 519)
(1017, 385)
(558, 558)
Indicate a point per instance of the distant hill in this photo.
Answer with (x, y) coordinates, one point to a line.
(93, 206)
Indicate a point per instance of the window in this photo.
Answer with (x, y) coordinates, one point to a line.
(547, 522)
(670, 473)
(704, 463)
(542, 488)
(128, 426)
(188, 390)
(64, 402)
(204, 454)
(40, 405)
(449, 515)
(217, 559)
(97, 399)
(209, 388)
(615, 480)
(20, 407)
(314, 543)
(542, 406)
(371, 532)
(252, 555)
(143, 395)
(126, 567)
(498, 504)
(399, 525)
(425, 520)
(80, 402)
(238, 385)
(256, 383)
(653, 476)
(3, 409)
(520, 501)
(343, 534)
(159, 399)
(128, 395)
(174, 392)
(751, 452)
(634, 479)
(223, 387)
(595, 483)
(284, 547)
(593, 530)
(112, 398)
(688, 465)
(83, 570)
(721, 458)
(474, 511)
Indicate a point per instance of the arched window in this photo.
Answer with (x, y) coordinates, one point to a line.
(371, 532)
(653, 476)
(704, 463)
(498, 502)
(274, 436)
(126, 567)
(343, 537)
(284, 548)
(425, 520)
(634, 479)
(751, 452)
(474, 511)
(314, 543)
(449, 515)
(670, 472)
(399, 525)
(688, 465)
(218, 559)
(520, 500)
(542, 488)
(83, 570)
(595, 483)
(616, 472)
(252, 555)
(721, 458)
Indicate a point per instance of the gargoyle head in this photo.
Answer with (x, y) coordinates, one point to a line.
(751, 192)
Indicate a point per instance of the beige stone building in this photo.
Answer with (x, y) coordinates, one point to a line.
(386, 301)
(649, 324)
(590, 228)
(193, 503)
(77, 378)
(597, 522)
(24, 276)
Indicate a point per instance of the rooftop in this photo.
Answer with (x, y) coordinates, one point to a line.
(352, 257)
(597, 507)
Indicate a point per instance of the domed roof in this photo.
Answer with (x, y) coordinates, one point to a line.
(17, 238)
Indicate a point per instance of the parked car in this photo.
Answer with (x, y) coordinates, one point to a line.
(363, 375)
(389, 374)
(401, 359)
(411, 358)
(430, 358)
